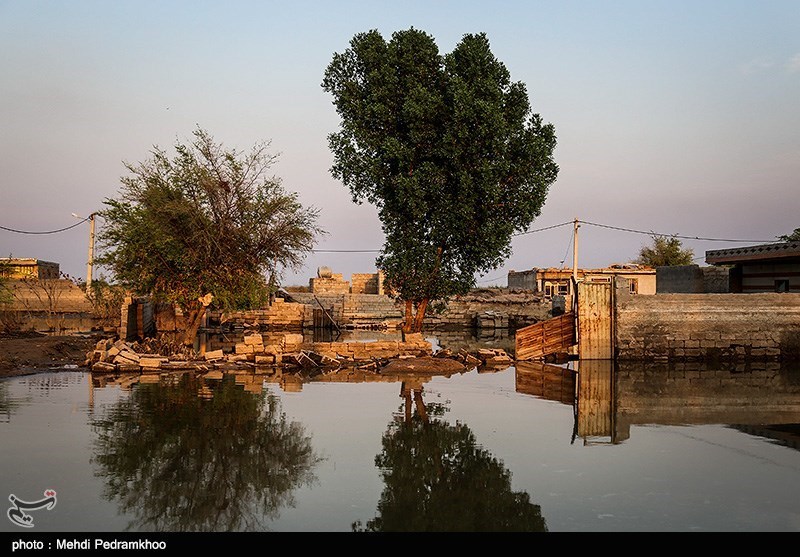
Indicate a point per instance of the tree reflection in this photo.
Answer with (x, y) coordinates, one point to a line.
(9, 403)
(179, 462)
(438, 479)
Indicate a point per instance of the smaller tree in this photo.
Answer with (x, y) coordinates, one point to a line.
(5, 293)
(664, 252)
(793, 237)
(206, 226)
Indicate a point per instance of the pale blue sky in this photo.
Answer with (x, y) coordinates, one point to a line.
(677, 117)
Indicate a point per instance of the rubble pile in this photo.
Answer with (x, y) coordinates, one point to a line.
(156, 355)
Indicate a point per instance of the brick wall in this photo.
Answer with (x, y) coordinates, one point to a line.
(502, 308)
(365, 283)
(280, 315)
(353, 309)
(508, 308)
(334, 283)
(707, 327)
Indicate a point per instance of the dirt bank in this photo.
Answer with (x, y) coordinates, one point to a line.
(27, 353)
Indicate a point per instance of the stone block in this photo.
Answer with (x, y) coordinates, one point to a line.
(123, 359)
(103, 367)
(152, 362)
(242, 348)
(129, 368)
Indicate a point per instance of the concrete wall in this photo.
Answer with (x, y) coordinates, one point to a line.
(691, 279)
(707, 327)
(525, 280)
(56, 295)
(716, 280)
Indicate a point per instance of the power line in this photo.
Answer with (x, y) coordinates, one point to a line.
(542, 229)
(345, 251)
(569, 244)
(620, 228)
(651, 233)
(378, 251)
(491, 279)
(48, 231)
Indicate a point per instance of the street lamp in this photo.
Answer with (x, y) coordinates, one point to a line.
(90, 260)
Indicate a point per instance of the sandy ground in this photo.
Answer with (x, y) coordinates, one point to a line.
(27, 353)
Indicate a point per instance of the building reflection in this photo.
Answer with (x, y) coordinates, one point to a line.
(608, 398)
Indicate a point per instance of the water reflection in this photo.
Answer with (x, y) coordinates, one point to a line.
(609, 398)
(685, 448)
(9, 403)
(195, 455)
(439, 479)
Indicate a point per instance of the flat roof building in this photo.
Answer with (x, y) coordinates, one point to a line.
(19, 268)
(761, 268)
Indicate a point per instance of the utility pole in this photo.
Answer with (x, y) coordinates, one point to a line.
(90, 260)
(575, 250)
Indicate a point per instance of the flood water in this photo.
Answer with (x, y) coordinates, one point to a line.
(572, 448)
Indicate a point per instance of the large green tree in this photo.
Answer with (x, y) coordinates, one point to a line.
(206, 226)
(793, 237)
(448, 150)
(665, 251)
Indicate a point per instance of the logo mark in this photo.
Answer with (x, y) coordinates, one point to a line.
(17, 514)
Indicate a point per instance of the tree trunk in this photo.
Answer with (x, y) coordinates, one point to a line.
(408, 324)
(420, 404)
(195, 311)
(420, 317)
(194, 317)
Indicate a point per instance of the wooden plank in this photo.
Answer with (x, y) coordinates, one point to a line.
(546, 337)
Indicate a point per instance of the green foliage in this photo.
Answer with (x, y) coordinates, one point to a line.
(106, 299)
(793, 237)
(210, 220)
(447, 149)
(665, 251)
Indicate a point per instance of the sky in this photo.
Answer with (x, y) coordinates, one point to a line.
(672, 117)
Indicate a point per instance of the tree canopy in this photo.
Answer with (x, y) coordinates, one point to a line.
(208, 224)
(448, 150)
(665, 251)
(793, 237)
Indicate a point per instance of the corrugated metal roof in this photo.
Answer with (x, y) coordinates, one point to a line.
(762, 252)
